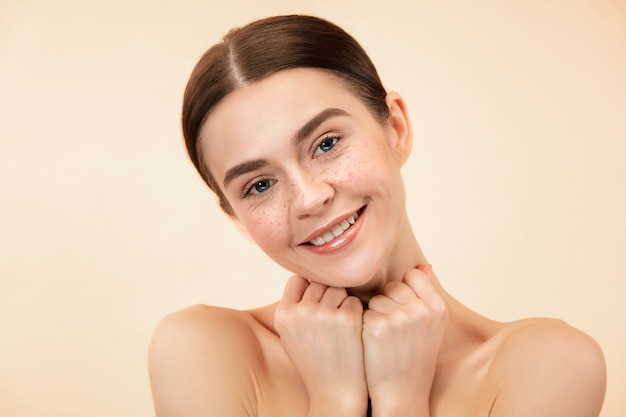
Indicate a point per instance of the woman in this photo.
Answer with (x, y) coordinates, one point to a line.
(288, 123)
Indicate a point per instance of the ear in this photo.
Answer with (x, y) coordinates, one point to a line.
(400, 124)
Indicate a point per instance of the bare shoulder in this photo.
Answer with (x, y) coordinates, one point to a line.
(201, 360)
(545, 367)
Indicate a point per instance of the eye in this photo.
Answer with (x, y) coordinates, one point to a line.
(259, 187)
(326, 145)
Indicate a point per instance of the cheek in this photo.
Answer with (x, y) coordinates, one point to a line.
(366, 168)
(267, 227)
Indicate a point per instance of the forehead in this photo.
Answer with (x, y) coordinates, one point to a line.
(254, 117)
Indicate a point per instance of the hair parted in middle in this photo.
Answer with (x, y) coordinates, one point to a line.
(262, 48)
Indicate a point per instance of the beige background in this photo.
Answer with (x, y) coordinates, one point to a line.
(516, 184)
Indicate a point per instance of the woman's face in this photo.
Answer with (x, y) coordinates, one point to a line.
(311, 175)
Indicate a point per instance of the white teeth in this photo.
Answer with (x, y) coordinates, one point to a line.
(335, 232)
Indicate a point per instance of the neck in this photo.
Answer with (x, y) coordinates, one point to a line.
(404, 256)
(465, 330)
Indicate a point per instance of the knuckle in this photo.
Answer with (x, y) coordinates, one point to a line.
(400, 320)
(281, 319)
(374, 326)
(420, 310)
(345, 318)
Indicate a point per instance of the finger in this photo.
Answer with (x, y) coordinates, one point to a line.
(423, 288)
(399, 292)
(352, 303)
(382, 304)
(314, 292)
(334, 296)
(294, 289)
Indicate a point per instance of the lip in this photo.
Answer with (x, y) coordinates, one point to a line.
(345, 238)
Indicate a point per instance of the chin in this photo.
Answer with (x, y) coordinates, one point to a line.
(356, 275)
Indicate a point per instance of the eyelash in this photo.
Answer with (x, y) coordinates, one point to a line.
(334, 138)
(250, 191)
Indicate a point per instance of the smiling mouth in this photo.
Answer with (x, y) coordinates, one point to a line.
(336, 231)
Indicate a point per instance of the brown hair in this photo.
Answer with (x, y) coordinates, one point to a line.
(262, 48)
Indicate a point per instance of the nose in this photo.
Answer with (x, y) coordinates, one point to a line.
(311, 193)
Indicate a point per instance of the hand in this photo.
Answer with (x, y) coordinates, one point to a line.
(402, 333)
(320, 329)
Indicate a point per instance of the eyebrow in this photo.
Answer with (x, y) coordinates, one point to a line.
(302, 133)
(306, 130)
(243, 168)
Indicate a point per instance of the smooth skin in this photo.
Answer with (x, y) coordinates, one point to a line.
(364, 316)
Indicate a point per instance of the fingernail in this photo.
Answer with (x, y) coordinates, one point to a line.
(427, 269)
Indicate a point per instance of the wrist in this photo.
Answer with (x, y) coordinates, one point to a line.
(400, 406)
(346, 406)
(327, 411)
(399, 410)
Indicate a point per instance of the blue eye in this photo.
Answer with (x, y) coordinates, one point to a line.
(260, 186)
(326, 145)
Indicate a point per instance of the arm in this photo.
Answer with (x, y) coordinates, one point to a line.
(549, 369)
(200, 364)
